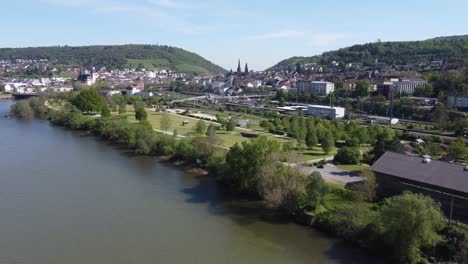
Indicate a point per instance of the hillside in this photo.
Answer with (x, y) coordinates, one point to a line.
(117, 56)
(450, 49)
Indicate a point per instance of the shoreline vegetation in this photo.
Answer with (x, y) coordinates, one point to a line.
(407, 228)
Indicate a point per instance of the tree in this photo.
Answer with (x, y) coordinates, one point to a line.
(439, 115)
(362, 88)
(231, 125)
(220, 118)
(348, 155)
(282, 101)
(311, 134)
(122, 108)
(245, 160)
(426, 90)
(366, 190)
(200, 127)
(316, 188)
(410, 222)
(457, 149)
(88, 101)
(328, 142)
(165, 122)
(22, 110)
(140, 112)
(211, 131)
(280, 185)
(105, 111)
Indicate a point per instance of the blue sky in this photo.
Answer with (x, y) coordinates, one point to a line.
(261, 32)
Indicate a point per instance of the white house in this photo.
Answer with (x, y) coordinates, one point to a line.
(8, 88)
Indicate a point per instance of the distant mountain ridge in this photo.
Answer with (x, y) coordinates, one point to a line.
(450, 49)
(118, 56)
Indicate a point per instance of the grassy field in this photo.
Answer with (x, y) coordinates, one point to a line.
(188, 130)
(353, 168)
(228, 139)
(315, 153)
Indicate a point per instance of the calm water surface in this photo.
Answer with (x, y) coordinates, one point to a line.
(66, 197)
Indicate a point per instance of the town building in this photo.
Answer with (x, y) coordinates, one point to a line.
(400, 86)
(87, 77)
(314, 110)
(459, 100)
(135, 89)
(445, 182)
(318, 88)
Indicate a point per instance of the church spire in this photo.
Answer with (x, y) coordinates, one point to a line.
(246, 69)
(239, 71)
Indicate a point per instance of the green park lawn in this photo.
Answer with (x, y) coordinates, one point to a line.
(315, 153)
(188, 130)
(353, 168)
(228, 139)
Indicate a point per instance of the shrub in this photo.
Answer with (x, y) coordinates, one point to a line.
(348, 155)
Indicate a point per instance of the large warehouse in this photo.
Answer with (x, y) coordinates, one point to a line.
(445, 182)
(315, 110)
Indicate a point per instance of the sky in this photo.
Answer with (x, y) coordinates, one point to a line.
(260, 32)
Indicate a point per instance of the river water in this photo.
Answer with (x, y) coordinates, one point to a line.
(67, 197)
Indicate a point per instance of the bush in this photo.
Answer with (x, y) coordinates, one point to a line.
(348, 155)
(22, 110)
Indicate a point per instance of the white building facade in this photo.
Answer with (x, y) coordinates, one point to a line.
(318, 88)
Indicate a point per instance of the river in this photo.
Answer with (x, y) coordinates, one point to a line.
(67, 197)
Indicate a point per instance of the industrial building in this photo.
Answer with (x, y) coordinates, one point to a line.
(446, 183)
(314, 110)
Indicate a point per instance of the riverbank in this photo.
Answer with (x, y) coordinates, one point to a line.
(6, 96)
(80, 199)
(349, 214)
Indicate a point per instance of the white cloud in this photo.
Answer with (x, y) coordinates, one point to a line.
(280, 34)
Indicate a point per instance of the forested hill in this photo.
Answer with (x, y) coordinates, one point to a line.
(449, 49)
(118, 56)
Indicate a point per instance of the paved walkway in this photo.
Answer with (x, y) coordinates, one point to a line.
(331, 173)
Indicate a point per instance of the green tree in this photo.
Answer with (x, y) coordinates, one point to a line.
(140, 112)
(280, 185)
(362, 88)
(88, 101)
(365, 191)
(200, 127)
(122, 108)
(245, 160)
(328, 143)
(165, 121)
(211, 131)
(348, 155)
(105, 111)
(220, 119)
(282, 101)
(316, 188)
(410, 222)
(439, 115)
(311, 134)
(231, 125)
(22, 109)
(457, 149)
